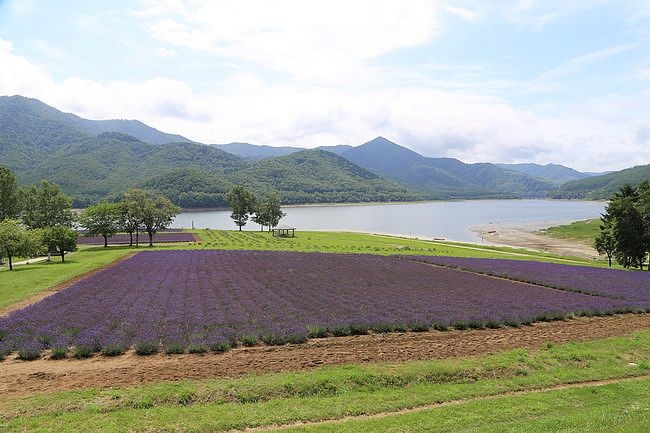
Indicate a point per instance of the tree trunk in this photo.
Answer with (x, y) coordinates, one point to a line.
(131, 240)
(105, 241)
(239, 228)
(137, 238)
(151, 239)
(62, 256)
(11, 264)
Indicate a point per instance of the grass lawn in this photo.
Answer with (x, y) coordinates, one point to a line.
(336, 392)
(583, 231)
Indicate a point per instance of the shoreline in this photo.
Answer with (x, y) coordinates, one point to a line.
(525, 235)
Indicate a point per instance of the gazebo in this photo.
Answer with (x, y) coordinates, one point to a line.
(283, 231)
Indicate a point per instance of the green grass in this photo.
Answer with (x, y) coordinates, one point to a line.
(335, 392)
(583, 231)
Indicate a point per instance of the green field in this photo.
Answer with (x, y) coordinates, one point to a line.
(583, 231)
(332, 393)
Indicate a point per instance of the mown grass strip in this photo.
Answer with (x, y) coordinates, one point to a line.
(328, 393)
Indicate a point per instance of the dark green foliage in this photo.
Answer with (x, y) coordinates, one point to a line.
(46, 205)
(101, 219)
(248, 340)
(60, 240)
(146, 348)
(82, 351)
(191, 188)
(267, 211)
(9, 196)
(197, 348)
(114, 349)
(340, 330)
(219, 347)
(316, 331)
(602, 187)
(242, 203)
(28, 353)
(16, 241)
(173, 348)
(59, 353)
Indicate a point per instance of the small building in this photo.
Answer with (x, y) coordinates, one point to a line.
(283, 231)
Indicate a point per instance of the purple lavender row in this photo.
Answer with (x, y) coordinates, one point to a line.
(123, 238)
(180, 300)
(614, 283)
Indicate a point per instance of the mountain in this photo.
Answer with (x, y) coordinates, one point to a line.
(444, 178)
(254, 152)
(32, 122)
(317, 176)
(555, 173)
(337, 150)
(191, 187)
(602, 187)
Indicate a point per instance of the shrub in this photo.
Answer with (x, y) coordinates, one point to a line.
(145, 348)
(383, 328)
(440, 326)
(113, 349)
(459, 324)
(317, 331)
(340, 330)
(173, 348)
(359, 329)
(220, 346)
(476, 324)
(59, 353)
(4, 351)
(29, 352)
(418, 327)
(248, 340)
(82, 351)
(492, 324)
(197, 348)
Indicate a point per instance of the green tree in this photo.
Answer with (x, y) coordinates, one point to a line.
(46, 206)
(60, 239)
(629, 232)
(605, 242)
(157, 213)
(9, 196)
(101, 219)
(242, 204)
(15, 240)
(268, 211)
(131, 212)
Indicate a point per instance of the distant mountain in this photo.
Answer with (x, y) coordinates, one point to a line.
(317, 176)
(254, 152)
(555, 173)
(444, 178)
(31, 122)
(337, 150)
(602, 187)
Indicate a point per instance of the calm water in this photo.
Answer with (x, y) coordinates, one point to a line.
(449, 220)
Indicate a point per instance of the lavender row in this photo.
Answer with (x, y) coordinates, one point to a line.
(613, 283)
(178, 300)
(123, 238)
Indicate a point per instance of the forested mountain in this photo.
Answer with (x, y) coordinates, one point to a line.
(555, 173)
(444, 177)
(317, 176)
(254, 152)
(602, 187)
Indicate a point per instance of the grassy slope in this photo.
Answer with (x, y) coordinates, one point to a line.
(335, 392)
(582, 231)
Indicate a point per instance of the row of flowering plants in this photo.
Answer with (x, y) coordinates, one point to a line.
(612, 283)
(125, 238)
(204, 300)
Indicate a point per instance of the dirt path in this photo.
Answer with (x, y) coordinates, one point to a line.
(588, 384)
(525, 235)
(43, 376)
(58, 287)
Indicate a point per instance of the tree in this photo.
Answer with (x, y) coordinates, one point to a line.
(46, 206)
(629, 232)
(643, 205)
(101, 219)
(268, 211)
(9, 196)
(60, 239)
(130, 209)
(157, 213)
(242, 204)
(15, 240)
(605, 242)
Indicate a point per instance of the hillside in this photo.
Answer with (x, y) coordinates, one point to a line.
(444, 178)
(254, 152)
(555, 173)
(602, 187)
(317, 176)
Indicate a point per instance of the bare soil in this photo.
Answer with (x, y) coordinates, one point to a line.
(44, 375)
(525, 235)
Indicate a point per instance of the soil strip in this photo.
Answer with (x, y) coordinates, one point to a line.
(45, 376)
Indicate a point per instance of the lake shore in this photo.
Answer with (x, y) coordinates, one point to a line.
(526, 235)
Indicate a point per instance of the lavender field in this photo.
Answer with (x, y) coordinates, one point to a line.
(200, 300)
(612, 283)
(123, 238)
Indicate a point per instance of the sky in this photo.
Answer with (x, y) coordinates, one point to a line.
(544, 81)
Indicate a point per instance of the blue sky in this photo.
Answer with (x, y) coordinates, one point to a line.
(504, 81)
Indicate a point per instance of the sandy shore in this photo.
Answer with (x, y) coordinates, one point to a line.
(526, 235)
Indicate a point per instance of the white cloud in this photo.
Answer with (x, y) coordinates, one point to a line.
(578, 63)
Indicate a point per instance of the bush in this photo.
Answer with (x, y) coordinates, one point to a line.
(383, 328)
(359, 329)
(439, 326)
(197, 348)
(59, 353)
(418, 327)
(248, 340)
(459, 324)
(114, 349)
(173, 348)
(220, 346)
(340, 330)
(80, 352)
(29, 352)
(145, 348)
(317, 331)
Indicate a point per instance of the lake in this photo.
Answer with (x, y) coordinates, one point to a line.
(442, 219)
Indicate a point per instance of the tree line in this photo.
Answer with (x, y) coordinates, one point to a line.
(625, 227)
(39, 219)
(265, 212)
